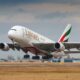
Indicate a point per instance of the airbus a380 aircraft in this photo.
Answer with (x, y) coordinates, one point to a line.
(28, 40)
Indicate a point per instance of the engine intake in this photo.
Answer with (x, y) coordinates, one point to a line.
(59, 46)
(4, 46)
(1, 45)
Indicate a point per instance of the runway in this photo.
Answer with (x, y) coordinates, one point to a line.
(39, 71)
(39, 67)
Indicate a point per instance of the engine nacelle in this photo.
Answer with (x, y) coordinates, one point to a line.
(59, 46)
(4, 46)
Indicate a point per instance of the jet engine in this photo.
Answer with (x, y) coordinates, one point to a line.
(4, 46)
(59, 46)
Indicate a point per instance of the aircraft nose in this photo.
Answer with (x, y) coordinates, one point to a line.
(11, 34)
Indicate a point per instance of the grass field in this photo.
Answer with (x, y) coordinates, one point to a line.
(39, 71)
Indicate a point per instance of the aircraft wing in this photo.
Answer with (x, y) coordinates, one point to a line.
(69, 45)
(51, 46)
(44, 47)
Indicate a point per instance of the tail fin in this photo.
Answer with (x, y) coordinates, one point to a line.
(65, 36)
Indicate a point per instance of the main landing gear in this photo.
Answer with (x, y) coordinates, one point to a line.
(36, 57)
(33, 57)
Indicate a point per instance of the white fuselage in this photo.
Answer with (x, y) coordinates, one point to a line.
(25, 37)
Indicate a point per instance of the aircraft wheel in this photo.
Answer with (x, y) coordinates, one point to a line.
(36, 57)
(26, 56)
(47, 57)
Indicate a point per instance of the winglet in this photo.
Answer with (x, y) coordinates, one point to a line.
(66, 34)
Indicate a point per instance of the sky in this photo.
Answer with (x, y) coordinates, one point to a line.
(47, 17)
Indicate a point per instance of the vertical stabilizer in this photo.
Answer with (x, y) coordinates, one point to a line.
(66, 34)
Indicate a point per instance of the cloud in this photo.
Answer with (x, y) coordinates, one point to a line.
(59, 14)
(34, 13)
(37, 1)
(39, 13)
(55, 15)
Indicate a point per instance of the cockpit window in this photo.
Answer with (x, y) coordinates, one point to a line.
(14, 29)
